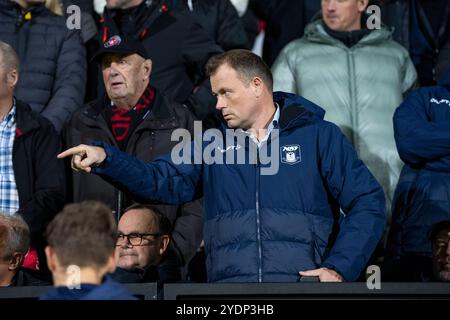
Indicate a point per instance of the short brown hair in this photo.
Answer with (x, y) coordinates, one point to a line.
(14, 235)
(247, 64)
(83, 234)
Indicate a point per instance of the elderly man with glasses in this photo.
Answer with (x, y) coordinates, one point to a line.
(143, 236)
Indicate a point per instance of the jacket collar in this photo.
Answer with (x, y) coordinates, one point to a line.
(315, 32)
(25, 119)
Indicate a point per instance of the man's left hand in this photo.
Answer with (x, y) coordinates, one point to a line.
(324, 274)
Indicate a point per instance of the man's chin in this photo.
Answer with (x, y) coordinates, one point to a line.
(444, 276)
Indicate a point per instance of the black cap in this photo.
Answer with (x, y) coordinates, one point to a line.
(123, 45)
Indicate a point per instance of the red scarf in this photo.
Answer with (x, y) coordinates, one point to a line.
(123, 122)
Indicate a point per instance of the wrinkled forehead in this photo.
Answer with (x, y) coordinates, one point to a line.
(138, 221)
(108, 58)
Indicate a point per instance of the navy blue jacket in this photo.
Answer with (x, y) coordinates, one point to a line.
(422, 197)
(267, 228)
(108, 290)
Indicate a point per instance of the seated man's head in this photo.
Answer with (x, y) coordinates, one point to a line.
(440, 238)
(82, 235)
(343, 15)
(126, 70)
(14, 244)
(144, 234)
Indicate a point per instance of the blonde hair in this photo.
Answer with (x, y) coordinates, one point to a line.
(55, 7)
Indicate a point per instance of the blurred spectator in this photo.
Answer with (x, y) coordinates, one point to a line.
(32, 179)
(178, 46)
(53, 61)
(144, 235)
(440, 238)
(423, 27)
(218, 17)
(359, 76)
(14, 244)
(422, 197)
(285, 21)
(139, 120)
(81, 251)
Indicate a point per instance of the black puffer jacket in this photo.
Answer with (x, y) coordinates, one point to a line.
(151, 139)
(219, 18)
(53, 60)
(39, 176)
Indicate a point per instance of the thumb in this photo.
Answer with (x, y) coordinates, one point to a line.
(313, 273)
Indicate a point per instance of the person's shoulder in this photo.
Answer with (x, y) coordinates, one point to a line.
(25, 112)
(110, 290)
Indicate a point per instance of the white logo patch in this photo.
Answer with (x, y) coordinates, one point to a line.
(290, 154)
(440, 101)
(113, 41)
(229, 148)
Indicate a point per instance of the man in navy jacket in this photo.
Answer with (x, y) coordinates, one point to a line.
(300, 204)
(422, 197)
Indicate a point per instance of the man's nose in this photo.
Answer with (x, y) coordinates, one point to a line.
(113, 69)
(220, 103)
(330, 5)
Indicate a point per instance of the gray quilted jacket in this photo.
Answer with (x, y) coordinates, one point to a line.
(359, 87)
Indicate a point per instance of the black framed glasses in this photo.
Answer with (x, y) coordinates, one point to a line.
(136, 239)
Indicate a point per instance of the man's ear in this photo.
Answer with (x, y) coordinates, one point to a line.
(165, 240)
(362, 5)
(51, 258)
(12, 78)
(147, 68)
(16, 261)
(257, 85)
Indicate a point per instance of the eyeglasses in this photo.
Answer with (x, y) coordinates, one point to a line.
(136, 239)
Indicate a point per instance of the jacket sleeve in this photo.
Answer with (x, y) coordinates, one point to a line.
(418, 138)
(70, 80)
(283, 71)
(361, 199)
(231, 33)
(49, 186)
(159, 181)
(198, 47)
(188, 230)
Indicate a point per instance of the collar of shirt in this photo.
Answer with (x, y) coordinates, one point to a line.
(270, 127)
(10, 119)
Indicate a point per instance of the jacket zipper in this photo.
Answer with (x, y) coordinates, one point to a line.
(258, 223)
(352, 88)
